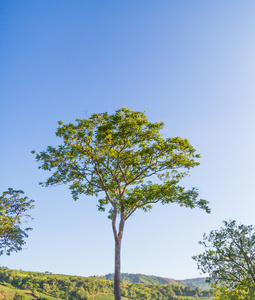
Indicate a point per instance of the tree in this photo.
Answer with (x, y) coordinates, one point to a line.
(113, 157)
(229, 259)
(13, 211)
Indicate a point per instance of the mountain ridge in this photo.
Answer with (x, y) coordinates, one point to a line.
(198, 282)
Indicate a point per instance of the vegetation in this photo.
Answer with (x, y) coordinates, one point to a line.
(229, 259)
(34, 285)
(196, 283)
(148, 279)
(141, 278)
(13, 211)
(116, 155)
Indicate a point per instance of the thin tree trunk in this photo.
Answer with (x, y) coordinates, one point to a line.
(117, 238)
(117, 291)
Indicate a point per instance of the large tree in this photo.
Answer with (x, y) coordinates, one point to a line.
(229, 260)
(116, 157)
(14, 210)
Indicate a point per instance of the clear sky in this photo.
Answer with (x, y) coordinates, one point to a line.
(188, 63)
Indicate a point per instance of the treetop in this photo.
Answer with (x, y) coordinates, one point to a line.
(119, 154)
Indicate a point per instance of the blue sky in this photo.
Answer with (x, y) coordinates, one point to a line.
(188, 63)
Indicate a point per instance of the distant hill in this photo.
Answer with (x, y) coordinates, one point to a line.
(141, 278)
(150, 279)
(195, 282)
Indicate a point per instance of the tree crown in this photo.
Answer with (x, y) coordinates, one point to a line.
(14, 209)
(118, 154)
(229, 259)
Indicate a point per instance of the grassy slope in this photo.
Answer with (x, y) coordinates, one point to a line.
(9, 293)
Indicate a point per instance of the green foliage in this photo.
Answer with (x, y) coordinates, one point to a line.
(115, 154)
(19, 296)
(13, 211)
(229, 259)
(195, 283)
(141, 278)
(149, 279)
(50, 286)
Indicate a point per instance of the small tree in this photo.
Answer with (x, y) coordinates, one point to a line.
(19, 296)
(113, 157)
(229, 259)
(13, 212)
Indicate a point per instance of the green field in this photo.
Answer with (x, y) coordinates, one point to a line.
(8, 293)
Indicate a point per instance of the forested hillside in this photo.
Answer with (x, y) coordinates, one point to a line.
(141, 278)
(148, 279)
(33, 285)
(195, 283)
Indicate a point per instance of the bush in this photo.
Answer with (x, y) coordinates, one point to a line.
(19, 296)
